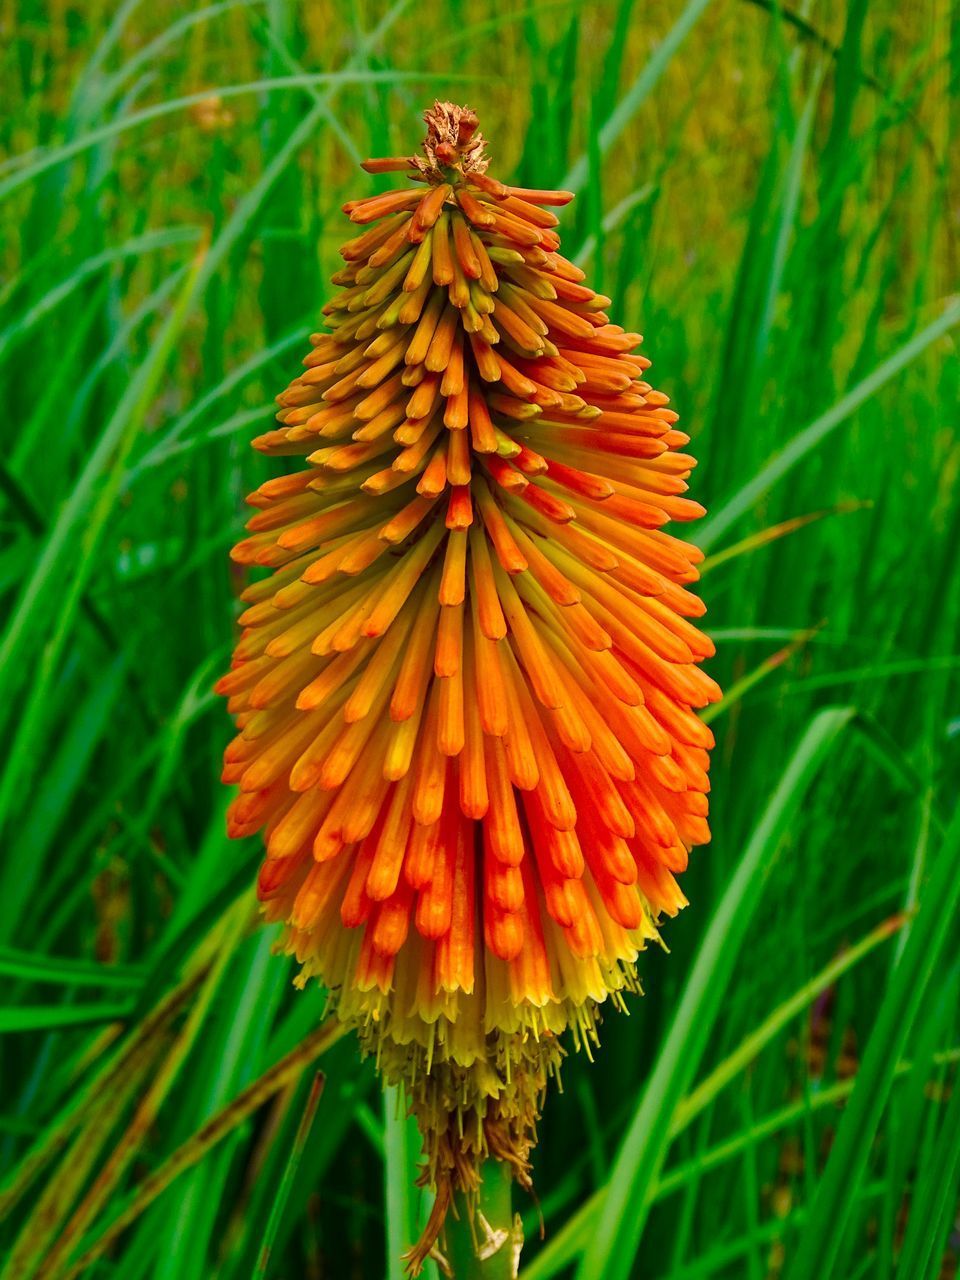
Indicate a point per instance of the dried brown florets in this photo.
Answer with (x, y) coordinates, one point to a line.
(453, 141)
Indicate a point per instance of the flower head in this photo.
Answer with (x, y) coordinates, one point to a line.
(465, 692)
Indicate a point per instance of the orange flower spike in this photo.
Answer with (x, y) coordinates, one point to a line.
(466, 694)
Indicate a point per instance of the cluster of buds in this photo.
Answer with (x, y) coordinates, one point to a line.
(465, 693)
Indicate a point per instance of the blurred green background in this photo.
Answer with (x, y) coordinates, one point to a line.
(767, 194)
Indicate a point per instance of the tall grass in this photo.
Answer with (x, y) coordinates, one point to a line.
(768, 195)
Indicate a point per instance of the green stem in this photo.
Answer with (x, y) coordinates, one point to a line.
(484, 1248)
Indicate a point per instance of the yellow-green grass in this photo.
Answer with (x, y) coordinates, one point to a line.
(767, 193)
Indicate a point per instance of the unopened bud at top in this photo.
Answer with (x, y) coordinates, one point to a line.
(453, 141)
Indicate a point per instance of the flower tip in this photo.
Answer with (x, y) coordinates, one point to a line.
(453, 140)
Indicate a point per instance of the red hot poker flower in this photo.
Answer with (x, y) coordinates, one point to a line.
(465, 692)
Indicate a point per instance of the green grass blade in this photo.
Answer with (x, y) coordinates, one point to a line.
(811, 436)
(751, 1045)
(566, 1244)
(934, 1200)
(919, 963)
(401, 1156)
(41, 1017)
(60, 971)
(289, 1173)
(166, 238)
(189, 1153)
(628, 106)
(117, 441)
(25, 168)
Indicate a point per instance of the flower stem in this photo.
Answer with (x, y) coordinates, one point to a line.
(484, 1246)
